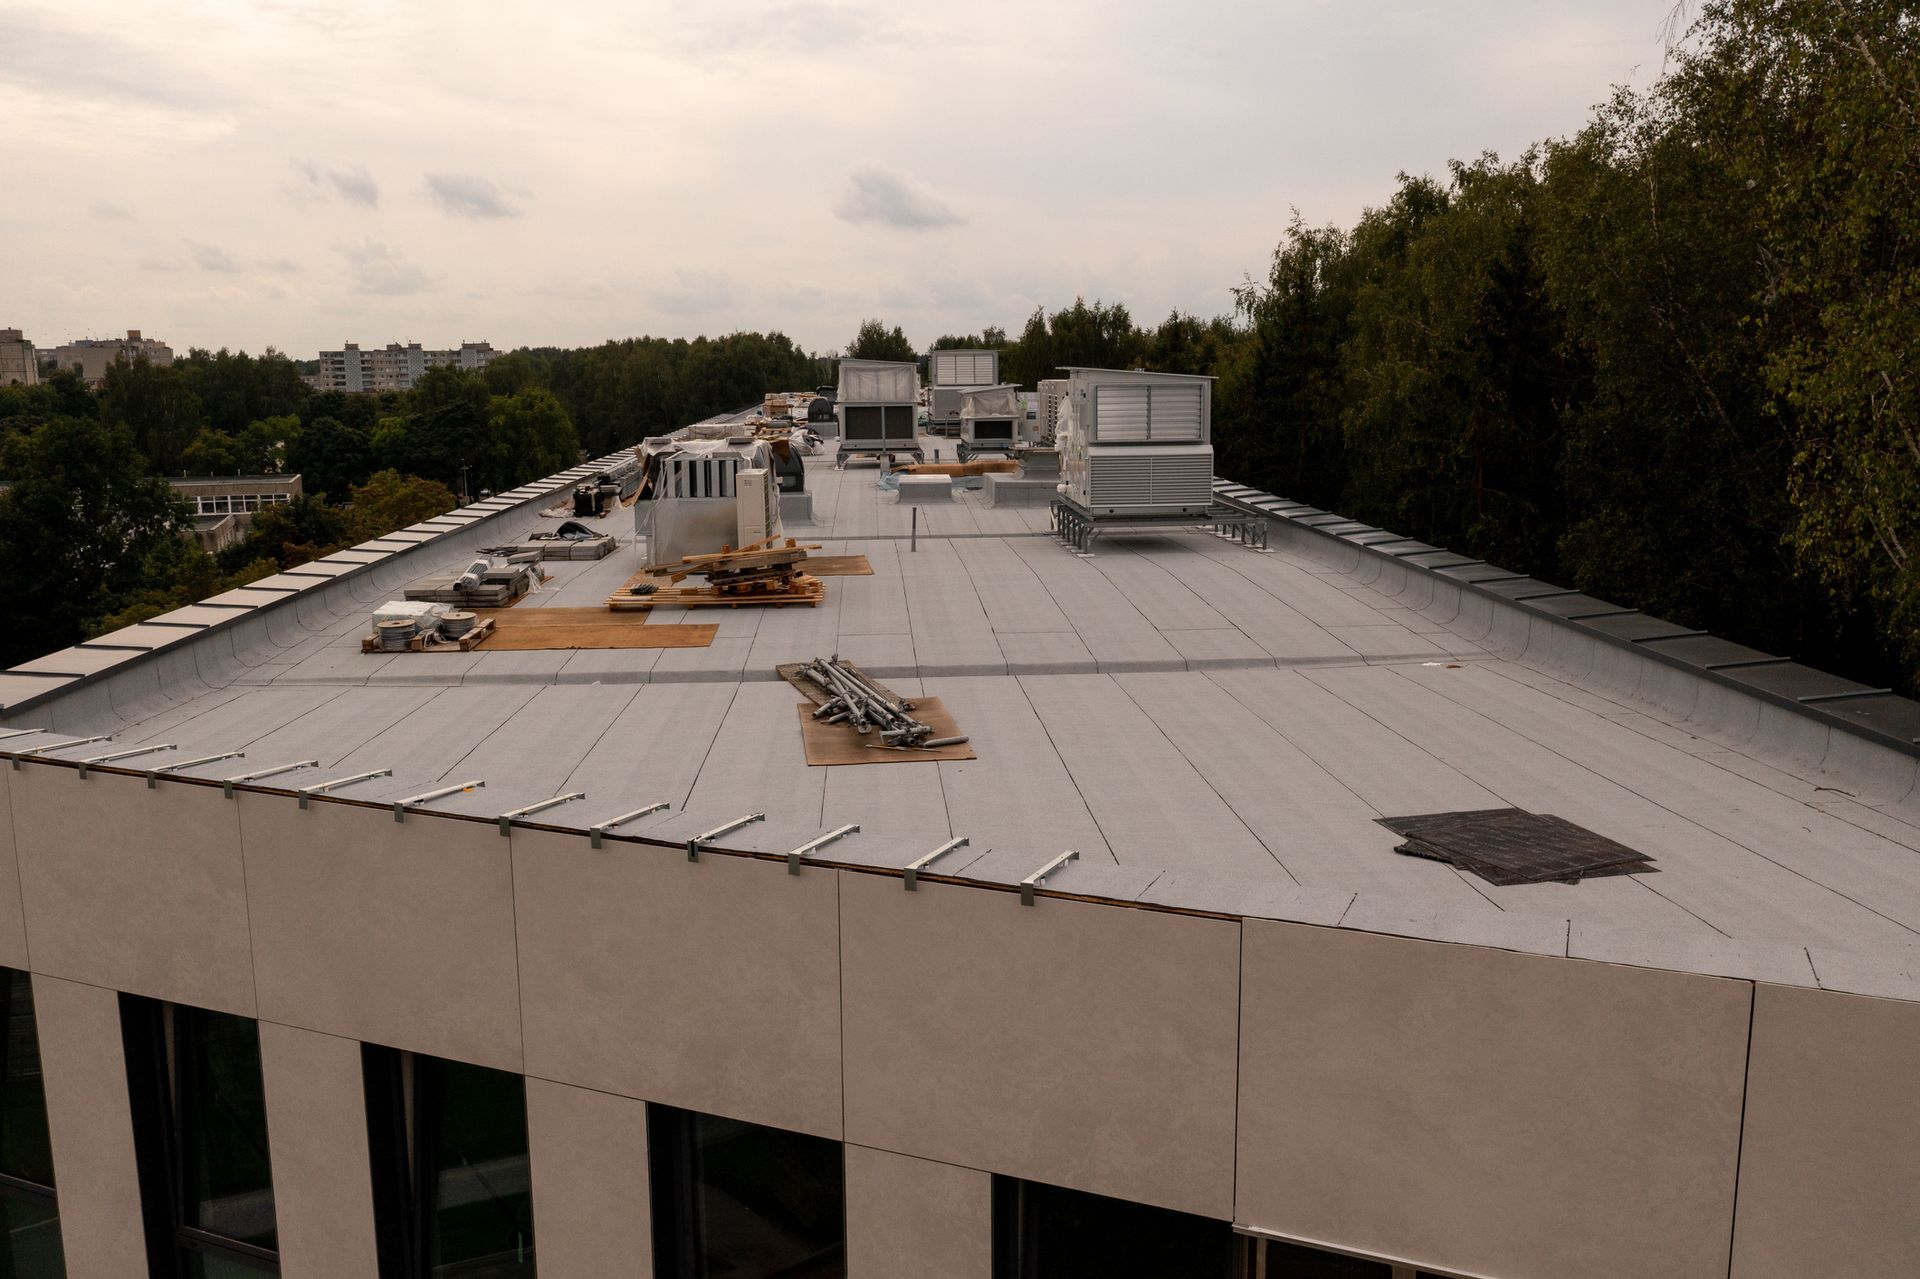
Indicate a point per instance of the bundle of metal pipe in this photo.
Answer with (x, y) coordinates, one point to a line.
(855, 699)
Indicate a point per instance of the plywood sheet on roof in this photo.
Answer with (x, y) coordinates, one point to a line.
(839, 566)
(564, 628)
(829, 744)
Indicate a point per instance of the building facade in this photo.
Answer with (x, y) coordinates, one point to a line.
(94, 356)
(291, 991)
(224, 505)
(19, 366)
(393, 367)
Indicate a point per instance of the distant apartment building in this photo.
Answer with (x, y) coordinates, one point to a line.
(394, 367)
(18, 365)
(94, 356)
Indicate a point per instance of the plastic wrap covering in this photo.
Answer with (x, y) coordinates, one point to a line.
(994, 401)
(878, 382)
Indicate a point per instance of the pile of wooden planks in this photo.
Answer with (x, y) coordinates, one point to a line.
(761, 574)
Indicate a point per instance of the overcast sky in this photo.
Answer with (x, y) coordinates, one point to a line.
(299, 175)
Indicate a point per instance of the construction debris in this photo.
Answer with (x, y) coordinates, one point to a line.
(760, 574)
(853, 699)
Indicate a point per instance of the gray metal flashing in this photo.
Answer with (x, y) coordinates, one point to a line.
(1786, 685)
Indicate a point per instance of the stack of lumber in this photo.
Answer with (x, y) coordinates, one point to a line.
(761, 574)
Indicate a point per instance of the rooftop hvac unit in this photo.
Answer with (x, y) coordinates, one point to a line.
(878, 407)
(695, 508)
(1136, 444)
(950, 374)
(1053, 391)
(992, 419)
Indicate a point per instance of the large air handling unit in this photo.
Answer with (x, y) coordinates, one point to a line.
(1136, 445)
(951, 373)
(878, 406)
(992, 420)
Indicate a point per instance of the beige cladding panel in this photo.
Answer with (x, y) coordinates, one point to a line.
(13, 922)
(91, 1123)
(591, 1213)
(1830, 1165)
(134, 889)
(1069, 1043)
(397, 933)
(317, 1136)
(908, 1216)
(1485, 1111)
(709, 985)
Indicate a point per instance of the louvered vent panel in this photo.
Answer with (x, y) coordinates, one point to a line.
(1119, 481)
(1176, 414)
(1184, 481)
(1121, 414)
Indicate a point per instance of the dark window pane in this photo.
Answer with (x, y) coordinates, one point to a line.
(226, 1173)
(1294, 1261)
(198, 1265)
(32, 1247)
(745, 1201)
(474, 1130)
(1047, 1232)
(24, 1150)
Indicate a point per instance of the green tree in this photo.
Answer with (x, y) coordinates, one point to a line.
(156, 404)
(81, 527)
(531, 436)
(390, 500)
(330, 457)
(875, 341)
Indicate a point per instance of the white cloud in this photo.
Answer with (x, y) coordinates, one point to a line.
(383, 270)
(880, 196)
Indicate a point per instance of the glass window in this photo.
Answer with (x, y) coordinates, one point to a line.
(200, 1134)
(452, 1187)
(1046, 1231)
(744, 1201)
(30, 1248)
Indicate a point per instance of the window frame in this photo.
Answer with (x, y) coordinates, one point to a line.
(154, 1051)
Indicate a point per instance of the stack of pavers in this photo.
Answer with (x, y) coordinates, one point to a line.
(1512, 846)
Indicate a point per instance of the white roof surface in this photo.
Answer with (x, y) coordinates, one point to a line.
(1212, 727)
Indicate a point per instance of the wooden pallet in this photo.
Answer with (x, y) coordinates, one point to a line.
(804, 590)
(418, 644)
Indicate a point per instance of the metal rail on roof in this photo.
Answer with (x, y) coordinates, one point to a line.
(919, 864)
(1039, 877)
(400, 806)
(595, 832)
(154, 774)
(507, 819)
(126, 754)
(693, 845)
(30, 751)
(322, 788)
(814, 845)
(7, 734)
(228, 783)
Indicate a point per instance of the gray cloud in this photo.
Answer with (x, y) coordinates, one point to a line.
(354, 185)
(467, 196)
(883, 197)
(382, 269)
(210, 257)
(90, 66)
(112, 213)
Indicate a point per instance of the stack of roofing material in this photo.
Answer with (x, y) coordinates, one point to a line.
(482, 585)
(1511, 846)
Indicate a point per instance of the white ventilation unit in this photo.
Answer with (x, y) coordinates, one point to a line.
(963, 368)
(1133, 445)
(756, 506)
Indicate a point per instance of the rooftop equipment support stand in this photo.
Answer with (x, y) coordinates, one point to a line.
(28, 752)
